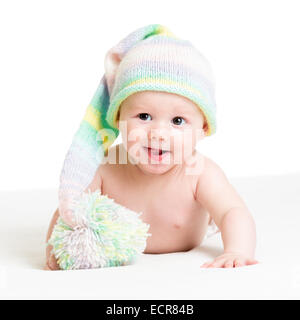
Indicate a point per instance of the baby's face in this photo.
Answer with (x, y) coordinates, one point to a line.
(159, 129)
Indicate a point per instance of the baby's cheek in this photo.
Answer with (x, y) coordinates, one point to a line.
(134, 134)
(184, 144)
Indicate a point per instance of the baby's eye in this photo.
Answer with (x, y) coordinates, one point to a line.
(144, 116)
(178, 120)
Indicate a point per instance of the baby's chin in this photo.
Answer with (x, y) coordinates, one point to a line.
(155, 169)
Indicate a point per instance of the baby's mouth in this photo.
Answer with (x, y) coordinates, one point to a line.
(156, 152)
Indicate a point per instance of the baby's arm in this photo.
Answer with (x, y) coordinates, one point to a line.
(231, 216)
(51, 263)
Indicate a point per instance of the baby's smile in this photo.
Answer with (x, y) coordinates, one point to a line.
(156, 154)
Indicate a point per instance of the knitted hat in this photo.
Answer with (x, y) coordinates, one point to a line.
(150, 58)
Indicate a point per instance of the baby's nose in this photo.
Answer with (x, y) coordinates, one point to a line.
(159, 134)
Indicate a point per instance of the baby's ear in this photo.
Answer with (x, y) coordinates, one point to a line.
(118, 119)
(205, 127)
(203, 131)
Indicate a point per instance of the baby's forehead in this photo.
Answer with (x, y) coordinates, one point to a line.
(156, 100)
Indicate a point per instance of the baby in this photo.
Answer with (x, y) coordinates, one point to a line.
(157, 170)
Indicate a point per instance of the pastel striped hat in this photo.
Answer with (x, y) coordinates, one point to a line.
(149, 58)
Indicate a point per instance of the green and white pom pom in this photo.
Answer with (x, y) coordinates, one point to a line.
(107, 234)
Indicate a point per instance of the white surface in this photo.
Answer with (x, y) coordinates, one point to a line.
(273, 201)
(50, 71)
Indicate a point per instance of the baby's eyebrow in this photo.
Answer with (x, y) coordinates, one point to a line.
(178, 109)
(183, 110)
(140, 107)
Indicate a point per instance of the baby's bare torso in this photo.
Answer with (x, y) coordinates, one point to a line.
(177, 221)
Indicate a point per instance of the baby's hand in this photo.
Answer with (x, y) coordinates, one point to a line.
(51, 263)
(230, 260)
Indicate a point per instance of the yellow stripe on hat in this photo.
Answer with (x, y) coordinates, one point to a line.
(167, 82)
(92, 116)
(165, 31)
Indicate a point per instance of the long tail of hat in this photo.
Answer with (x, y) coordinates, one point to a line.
(94, 135)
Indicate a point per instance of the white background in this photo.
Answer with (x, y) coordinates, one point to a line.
(52, 59)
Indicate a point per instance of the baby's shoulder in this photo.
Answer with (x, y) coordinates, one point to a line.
(199, 165)
(211, 177)
(210, 166)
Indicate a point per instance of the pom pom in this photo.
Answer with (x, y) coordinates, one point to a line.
(106, 234)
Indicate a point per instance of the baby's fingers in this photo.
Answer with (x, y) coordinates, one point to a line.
(239, 263)
(52, 263)
(244, 262)
(204, 265)
(228, 264)
(216, 264)
(251, 261)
